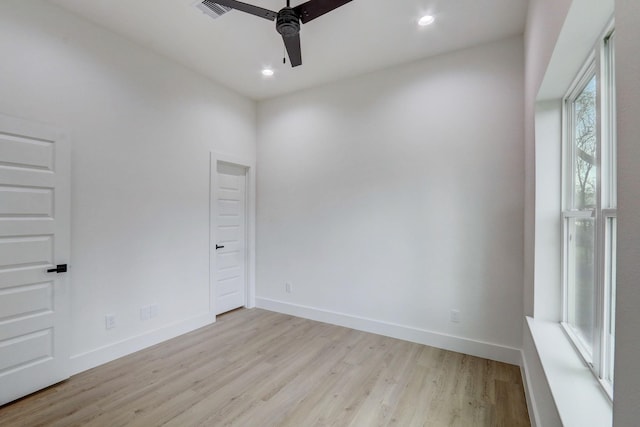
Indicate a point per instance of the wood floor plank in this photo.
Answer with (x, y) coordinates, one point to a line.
(259, 368)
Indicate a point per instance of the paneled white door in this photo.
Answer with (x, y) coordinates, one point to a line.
(34, 238)
(230, 237)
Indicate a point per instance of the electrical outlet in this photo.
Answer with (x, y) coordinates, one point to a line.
(455, 316)
(144, 312)
(153, 311)
(110, 321)
(287, 287)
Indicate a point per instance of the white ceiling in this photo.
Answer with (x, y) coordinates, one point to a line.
(359, 37)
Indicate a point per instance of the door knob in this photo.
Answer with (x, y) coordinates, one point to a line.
(60, 268)
(219, 247)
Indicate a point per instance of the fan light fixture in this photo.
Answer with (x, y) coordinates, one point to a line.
(267, 72)
(426, 20)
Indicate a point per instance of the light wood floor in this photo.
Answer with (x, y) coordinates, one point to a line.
(257, 368)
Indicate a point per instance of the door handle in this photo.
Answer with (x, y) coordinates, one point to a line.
(60, 268)
(219, 247)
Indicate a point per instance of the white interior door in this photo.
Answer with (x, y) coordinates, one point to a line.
(34, 237)
(230, 237)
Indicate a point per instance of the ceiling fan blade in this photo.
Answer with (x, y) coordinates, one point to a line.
(292, 43)
(248, 8)
(316, 8)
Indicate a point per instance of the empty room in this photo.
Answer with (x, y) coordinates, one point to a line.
(323, 212)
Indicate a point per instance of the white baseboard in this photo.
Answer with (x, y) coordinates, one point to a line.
(408, 333)
(528, 391)
(90, 359)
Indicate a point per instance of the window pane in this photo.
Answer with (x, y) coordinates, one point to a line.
(584, 168)
(581, 301)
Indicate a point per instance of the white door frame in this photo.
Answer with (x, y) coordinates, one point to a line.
(250, 221)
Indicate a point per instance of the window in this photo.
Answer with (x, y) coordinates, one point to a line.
(589, 212)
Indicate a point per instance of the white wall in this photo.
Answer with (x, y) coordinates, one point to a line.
(141, 130)
(544, 22)
(548, 232)
(397, 196)
(626, 408)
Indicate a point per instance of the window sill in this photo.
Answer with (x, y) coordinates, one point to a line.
(577, 393)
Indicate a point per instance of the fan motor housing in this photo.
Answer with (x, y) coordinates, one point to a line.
(288, 22)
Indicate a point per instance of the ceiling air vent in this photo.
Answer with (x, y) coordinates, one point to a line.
(211, 8)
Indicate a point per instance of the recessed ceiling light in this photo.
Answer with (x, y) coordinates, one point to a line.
(267, 72)
(426, 20)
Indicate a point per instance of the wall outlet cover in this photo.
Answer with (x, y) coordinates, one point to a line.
(110, 321)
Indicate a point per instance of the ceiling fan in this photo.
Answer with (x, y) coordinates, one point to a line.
(288, 19)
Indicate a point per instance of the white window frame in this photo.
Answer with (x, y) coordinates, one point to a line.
(608, 211)
(600, 64)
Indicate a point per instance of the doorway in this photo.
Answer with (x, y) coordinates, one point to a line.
(231, 242)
